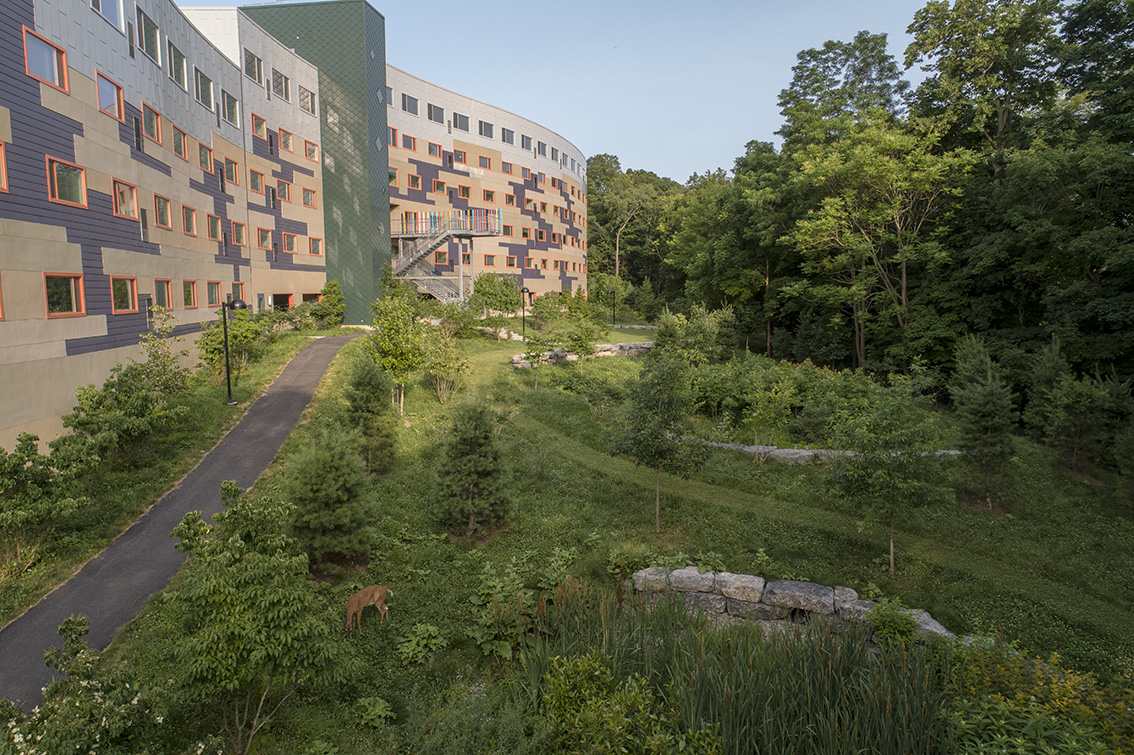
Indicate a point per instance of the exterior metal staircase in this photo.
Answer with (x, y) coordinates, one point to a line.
(432, 232)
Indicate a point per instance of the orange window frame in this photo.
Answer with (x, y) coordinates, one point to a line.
(119, 103)
(157, 123)
(438, 186)
(460, 156)
(284, 195)
(133, 283)
(81, 311)
(393, 176)
(60, 61)
(290, 238)
(311, 150)
(3, 170)
(53, 190)
(490, 196)
(180, 137)
(485, 162)
(314, 242)
(232, 175)
(167, 285)
(314, 198)
(186, 214)
(189, 294)
(259, 127)
(168, 224)
(210, 222)
(506, 167)
(439, 153)
(252, 184)
(210, 287)
(260, 235)
(409, 143)
(290, 141)
(117, 204)
(238, 239)
(413, 182)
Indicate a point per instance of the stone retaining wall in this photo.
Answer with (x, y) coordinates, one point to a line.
(601, 350)
(748, 598)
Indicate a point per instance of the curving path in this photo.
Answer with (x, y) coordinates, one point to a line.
(113, 586)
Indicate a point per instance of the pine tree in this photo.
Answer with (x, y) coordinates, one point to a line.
(371, 414)
(471, 492)
(985, 413)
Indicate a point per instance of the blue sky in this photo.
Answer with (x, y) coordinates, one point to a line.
(676, 88)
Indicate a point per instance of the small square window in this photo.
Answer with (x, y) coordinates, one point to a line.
(509, 261)
(237, 234)
(485, 129)
(283, 190)
(306, 100)
(289, 243)
(393, 176)
(543, 207)
(256, 181)
(529, 203)
(525, 173)
(316, 247)
(460, 122)
(507, 230)
(529, 263)
(237, 291)
(508, 136)
(311, 150)
(189, 294)
(440, 258)
(162, 295)
(259, 127)
(489, 195)
(212, 293)
(66, 183)
(213, 227)
(205, 158)
(45, 61)
(253, 67)
(459, 156)
(231, 171)
(180, 143)
(281, 86)
(541, 235)
(64, 295)
(434, 149)
(413, 182)
(125, 200)
(189, 221)
(510, 200)
(409, 104)
(151, 123)
(264, 238)
(490, 260)
(309, 198)
(464, 192)
(506, 167)
(525, 233)
(436, 114)
(543, 263)
(486, 162)
(466, 258)
(409, 142)
(438, 186)
(286, 141)
(110, 98)
(525, 142)
(163, 216)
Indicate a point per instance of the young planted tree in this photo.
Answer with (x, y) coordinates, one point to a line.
(471, 495)
(657, 424)
(398, 341)
(445, 367)
(370, 413)
(536, 346)
(985, 413)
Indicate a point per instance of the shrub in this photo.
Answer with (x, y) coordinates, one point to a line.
(445, 367)
(247, 336)
(471, 494)
(371, 413)
(502, 611)
(423, 641)
(892, 625)
(374, 711)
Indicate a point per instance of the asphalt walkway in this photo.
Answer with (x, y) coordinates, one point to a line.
(112, 587)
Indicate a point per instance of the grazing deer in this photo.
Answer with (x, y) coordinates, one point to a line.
(375, 595)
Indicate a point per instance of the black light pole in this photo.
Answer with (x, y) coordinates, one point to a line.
(524, 310)
(613, 304)
(225, 307)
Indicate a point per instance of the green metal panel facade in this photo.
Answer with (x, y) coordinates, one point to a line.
(346, 41)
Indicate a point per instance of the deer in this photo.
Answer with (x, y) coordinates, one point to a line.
(375, 595)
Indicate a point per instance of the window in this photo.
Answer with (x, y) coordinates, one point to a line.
(180, 143)
(541, 178)
(526, 173)
(554, 182)
(45, 61)
(316, 247)
(464, 192)
(509, 261)
(256, 181)
(110, 98)
(434, 150)
(543, 207)
(213, 227)
(259, 127)
(529, 203)
(541, 148)
(64, 294)
(309, 198)
(466, 258)
(393, 177)
(438, 186)
(392, 136)
(151, 123)
(162, 214)
(409, 142)
(507, 135)
(409, 104)
(489, 195)
(436, 114)
(543, 263)
(205, 158)
(148, 37)
(289, 243)
(189, 221)
(287, 142)
(237, 234)
(459, 156)
(264, 238)
(204, 89)
(306, 100)
(526, 142)
(486, 162)
(253, 67)
(389, 97)
(554, 240)
(440, 258)
(162, 294)
(281, 86)
(490, 260)
(231, 171)
(460, 122)
(311, 150)
(525, 233)
(485, 129)
(554, 153)
(125, 200)
(111, 10)
(189, 294)
(413, 182)
(123, 295)
(541, 235)
(510, 200)
(66, 183)
(507, 230)
(237, 291)
(230, 108)
(283, 190)
(529, 263)
(506, 167)
(212, 293)
(177, 68)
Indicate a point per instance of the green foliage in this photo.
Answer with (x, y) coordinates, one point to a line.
(254, 632)
(445, 367)
(985, 412)
(702, 338)
(32, 488)
(370, 412)
(332, 304)
(471, 494)
(546, 311)
(502, 611)
(579, 336)
(892, 625)
(248, 335)
(162, 367)
(536, 347)
(498, 293)
(374, 711)
(423, 642)
(398, 340)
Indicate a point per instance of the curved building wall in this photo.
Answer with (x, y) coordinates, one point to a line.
(453, 154)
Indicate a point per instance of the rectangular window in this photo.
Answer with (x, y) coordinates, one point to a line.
(409, 142)
(554, 182)
(213, 227)
(485, 129)
(393, 176)
(189, 294)
(45, 61)
(177, 68)
(541, 178)
(526, 173)
(460, 122)
(460, 157)
(541, 235)
(256, 181)
(204, 89)
(507, 230)
(440, 258)
(485, 162)
(509, 262)
(264, 238)
(287, 142)
(392, 136)
(180, 143)
(464, 192)
(125, 200)
(237, 234)
(413, 182)
(151, 123)
(489, 195)
(281, 86)
(111, 10)
(529, 203)
(205, 158)
(66, 183)
(490, 260)
(541, 148)
(162, 213)
(526, 142)
(289, 244)
(389, 96)
(529, 263)
(436, 114)
(212, 293)
(506, 167)
(311, 150)
(148, 37)
(525, 233)
(507, 135)
(230, 108)
(543, 263)
(466, 258)
(543, 207)
(438, 186)
(554, 239)
(259, 127)
(510, 200)
(253, 67)
(237, 291)
(231, 171)
(110, 98)
(162, 294)
(283, 190)
(434, 149)
(554, 153)
(306, 100)
(123, 295)
(189, 221)
(64, 294)
(309, 198)
(409, 104)
(316, 247)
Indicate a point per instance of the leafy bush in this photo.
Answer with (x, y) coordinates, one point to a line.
(374, 711)
(502, 611)
(423, 641)
(162, 367)
(892, 625)
(704, 337)
(247, 336)
(445, 367)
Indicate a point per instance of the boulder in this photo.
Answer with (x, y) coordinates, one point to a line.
(808, 596)
(704, 601)
(927, 626)
(855, 610)
(792, 455)
(755, 611)
(690, 579)
(653, 579)
(739, 586)
(844, 595)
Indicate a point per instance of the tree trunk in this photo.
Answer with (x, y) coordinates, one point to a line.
(891, 547)
(657, 500)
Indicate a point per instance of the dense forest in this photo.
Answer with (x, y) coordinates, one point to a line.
(994, 198)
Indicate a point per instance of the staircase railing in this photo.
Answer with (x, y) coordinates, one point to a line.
(434, 229)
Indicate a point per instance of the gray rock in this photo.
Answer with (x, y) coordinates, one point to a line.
(739, 586)
(653, 579)
(690, 579)
(793, 455)
(703, 601)
(927, 626)
(808, 596)
(844, 595)
(855, 610)
(755, 611)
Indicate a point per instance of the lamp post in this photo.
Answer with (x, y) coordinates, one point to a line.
(524, 310)
(613, 304)
(225, 307)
